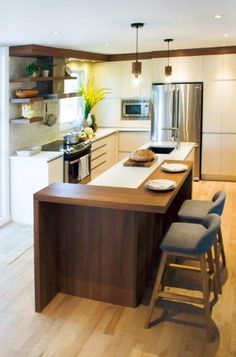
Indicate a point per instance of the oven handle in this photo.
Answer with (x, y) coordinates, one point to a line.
(77, 160)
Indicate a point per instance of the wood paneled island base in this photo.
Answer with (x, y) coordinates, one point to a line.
(101, 242)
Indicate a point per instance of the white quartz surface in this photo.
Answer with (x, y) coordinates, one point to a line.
(42, 155)
(132, 177)
(102, 132)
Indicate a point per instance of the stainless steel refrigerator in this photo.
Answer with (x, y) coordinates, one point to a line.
(178, 105)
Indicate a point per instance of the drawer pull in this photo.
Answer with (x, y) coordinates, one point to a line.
(95, 167)
(102, 146)
(97, 157)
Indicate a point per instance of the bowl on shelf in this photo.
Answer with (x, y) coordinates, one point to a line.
(26, 93)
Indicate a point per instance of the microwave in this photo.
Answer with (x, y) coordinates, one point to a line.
(135, 109)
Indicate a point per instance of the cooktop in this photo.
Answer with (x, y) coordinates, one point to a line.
(69, 150)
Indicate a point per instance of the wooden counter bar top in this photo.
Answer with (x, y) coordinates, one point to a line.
(102, 242)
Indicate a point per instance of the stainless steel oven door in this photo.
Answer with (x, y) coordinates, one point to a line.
(78, 170)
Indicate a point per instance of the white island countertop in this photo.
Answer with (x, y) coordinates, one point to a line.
(132, 177)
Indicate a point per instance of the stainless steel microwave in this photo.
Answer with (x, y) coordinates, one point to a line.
(135, 109)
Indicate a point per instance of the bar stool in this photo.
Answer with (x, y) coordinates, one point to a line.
(194, 211)
(189, 240)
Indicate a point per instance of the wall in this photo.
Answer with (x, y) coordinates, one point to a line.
(36, 134)
(217, 72)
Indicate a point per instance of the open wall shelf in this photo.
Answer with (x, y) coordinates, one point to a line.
(39, 79)
(26, 120)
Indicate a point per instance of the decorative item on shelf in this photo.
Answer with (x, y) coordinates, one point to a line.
(137, 66)
(168, 68)
(27, 111)
(91, 96)
(45, 69)
(26, 93)
(33, 69)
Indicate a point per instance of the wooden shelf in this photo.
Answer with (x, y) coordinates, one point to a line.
(25, 100)
(39, 79)
(26, 121)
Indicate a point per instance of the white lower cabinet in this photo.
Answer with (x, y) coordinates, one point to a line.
(104, 154)
(211, 154)
(27, 176)
(131, 140)
(218, 156)
(228, 162)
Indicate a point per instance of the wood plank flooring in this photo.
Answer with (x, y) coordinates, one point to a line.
(71, 326)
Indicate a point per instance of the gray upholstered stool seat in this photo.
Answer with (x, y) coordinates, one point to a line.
(194, 211)
(185, 238)
(190, 241)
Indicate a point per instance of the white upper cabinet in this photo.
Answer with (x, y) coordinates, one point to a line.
(129, 88)
(107, 75)
(158, 69)
(212, 106)
(229, 106)
(230, 66)
(186, 69)
(108, 112)
(213, 67)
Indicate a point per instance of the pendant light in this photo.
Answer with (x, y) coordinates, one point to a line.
(137, 66)
(168, 68)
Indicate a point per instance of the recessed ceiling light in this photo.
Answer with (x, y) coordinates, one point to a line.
(226, 35)
(55, 33)
(223, 45)
(176, 48)
(93, 61)
(106, 44)
(218, 16)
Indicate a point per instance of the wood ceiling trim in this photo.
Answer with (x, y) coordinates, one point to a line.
(42, 51)
(45, 51)
(174, 53)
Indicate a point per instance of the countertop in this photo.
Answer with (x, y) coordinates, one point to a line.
(42, 155)
(132, 177)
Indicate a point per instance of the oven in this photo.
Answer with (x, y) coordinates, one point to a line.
(135, 109)
(77, 160)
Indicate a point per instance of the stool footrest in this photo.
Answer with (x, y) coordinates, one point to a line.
(180, 297)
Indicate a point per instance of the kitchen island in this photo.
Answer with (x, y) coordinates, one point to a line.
(102, 242)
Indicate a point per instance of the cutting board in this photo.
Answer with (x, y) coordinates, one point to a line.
(131, 163)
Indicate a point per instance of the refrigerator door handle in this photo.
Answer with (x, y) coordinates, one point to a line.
(177, 108)
(173, 110)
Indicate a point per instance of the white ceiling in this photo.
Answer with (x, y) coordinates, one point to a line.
(89, 25)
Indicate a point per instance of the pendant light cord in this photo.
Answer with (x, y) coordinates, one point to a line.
(168, 52)
(137, 44)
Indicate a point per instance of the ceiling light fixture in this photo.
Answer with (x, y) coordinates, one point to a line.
(168, 68)
(55, 33)
(226, 35)
(218, 16)
(137, 66)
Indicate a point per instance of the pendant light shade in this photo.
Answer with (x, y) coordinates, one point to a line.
(168, 68)
(137, 66)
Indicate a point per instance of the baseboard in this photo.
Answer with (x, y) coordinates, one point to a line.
(229, 178)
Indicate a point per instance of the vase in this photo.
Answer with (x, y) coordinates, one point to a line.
(85, 123)
(45, 72)
(89, 120)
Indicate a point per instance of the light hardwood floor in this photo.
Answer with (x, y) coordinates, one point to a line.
(72, 326)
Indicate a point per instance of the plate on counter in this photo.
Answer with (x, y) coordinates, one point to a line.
(174, 167)
(160, 185)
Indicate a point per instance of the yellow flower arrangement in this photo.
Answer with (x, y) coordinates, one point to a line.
(92, 96)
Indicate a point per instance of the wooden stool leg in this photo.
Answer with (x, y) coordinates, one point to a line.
(222, 250)
(156, 289)
(212, 269)
(206, 296)
(217, 267)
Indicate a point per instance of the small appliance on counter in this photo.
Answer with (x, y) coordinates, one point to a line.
(77, 159)
(135, 108)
